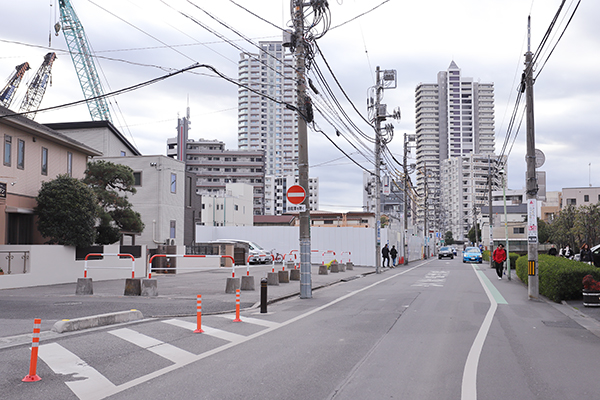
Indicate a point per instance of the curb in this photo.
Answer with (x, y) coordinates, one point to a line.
(70, 325)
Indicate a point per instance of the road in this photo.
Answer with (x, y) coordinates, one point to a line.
(437, 329)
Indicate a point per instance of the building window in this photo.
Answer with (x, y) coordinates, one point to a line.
(44, 161)
(173, 183)
(137, 179)
(7, 149)
(586, 198)
(519, 230)
(69, 163)
(172, 229)
(21, 154)
(571, 202)
(123, 154)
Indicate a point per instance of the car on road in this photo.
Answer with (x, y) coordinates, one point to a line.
(445, 252)
(472, 254)
(257, 254)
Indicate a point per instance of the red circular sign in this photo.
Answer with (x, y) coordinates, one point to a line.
(296, 194)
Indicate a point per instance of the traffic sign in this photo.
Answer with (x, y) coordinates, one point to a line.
(296, 194)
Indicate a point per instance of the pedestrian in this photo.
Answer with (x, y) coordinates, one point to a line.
(585, 254)
(566, 252)
(552, 251)
(393, 254)
(499, 257)
(385, 252)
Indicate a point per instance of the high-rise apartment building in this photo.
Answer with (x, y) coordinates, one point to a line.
(264, 124)
(454, 118)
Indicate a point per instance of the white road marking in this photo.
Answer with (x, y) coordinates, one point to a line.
(165, 350)
(90, 384)
(255, 321)
(218, 333)
(469, 381)
(433, 278)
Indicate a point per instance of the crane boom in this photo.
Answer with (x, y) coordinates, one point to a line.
(37, 87)
(7, 94)
(85, 68)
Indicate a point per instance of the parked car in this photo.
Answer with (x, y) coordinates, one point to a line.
(445, 252)
(257, 254)
(472, 254)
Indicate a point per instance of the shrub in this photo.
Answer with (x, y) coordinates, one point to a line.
(559, 278)
(485, 255)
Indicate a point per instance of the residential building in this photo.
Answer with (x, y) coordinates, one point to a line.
(215, 167)
(551, 206)
(276, 193)
(516, 227)
(264, 124)
(464, 190)
(233, 208)
(32, 153)
(454, 118)
(579, 196)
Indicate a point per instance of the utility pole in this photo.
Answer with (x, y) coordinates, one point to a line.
(532, 238)
(305, 246)
(426, 234)
(378, 92)
(506, 223)
(405, 250)
(475, 222)
(491, 214)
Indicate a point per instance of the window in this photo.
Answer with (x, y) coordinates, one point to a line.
(123, 154)
(519, 230)
(7, 149)
(586, 198)
(571, 202)
(173, 183)
(137, 179)
(69, 163)
(44, 161)
(21, 154)
(172, 229)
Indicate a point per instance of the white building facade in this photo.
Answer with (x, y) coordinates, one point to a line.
(232, 208)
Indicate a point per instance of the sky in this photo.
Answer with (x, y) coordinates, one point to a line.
(138, 40)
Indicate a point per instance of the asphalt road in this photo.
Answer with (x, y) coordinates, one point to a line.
(435, 329)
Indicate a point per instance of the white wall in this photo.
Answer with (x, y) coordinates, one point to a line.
(360, 242)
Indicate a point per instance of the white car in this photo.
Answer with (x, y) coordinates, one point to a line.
(257, 254)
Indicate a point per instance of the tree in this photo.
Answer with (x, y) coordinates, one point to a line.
(562, 229)
(448, 238)
(471, 235)
(543, 231)
(108, 181)
(67, 210)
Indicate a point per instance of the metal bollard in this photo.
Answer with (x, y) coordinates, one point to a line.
(263, 295)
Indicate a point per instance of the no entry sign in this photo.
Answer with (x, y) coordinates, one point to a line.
(296, 194)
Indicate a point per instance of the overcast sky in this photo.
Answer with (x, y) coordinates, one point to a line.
(138, 40)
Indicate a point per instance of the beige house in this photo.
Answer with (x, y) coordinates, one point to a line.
(31, 154)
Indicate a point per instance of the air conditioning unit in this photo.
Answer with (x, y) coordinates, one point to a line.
(170, 242)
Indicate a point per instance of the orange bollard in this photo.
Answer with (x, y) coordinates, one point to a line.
(33, 377)
(237, 306)
(198, 314)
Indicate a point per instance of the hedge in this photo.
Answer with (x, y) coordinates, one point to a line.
(559, 278)
(513, 258)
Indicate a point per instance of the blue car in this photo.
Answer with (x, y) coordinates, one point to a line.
(472, 255)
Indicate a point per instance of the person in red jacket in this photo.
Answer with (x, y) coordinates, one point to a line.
(499, 257)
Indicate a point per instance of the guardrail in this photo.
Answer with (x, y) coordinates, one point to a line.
(188, 268)
(85, 268)
(10, 256)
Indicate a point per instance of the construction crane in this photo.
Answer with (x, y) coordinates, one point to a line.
(37, 87)
(7, 94)
(82, 59)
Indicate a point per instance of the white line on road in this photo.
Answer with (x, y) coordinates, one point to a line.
(218, 333)
(255, 321)
(165, 350)
(469, 381)
(89, 384)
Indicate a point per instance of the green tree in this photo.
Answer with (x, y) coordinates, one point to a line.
(543, 231)
(448, 238)
(67, 210)
(563, 229)
(471, 235)
(108, 181)
(587, 225)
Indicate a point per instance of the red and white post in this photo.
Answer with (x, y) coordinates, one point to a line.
(33, 377)
(237, 306)
(199, 314)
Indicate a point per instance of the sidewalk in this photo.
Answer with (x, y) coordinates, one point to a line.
(176, 297)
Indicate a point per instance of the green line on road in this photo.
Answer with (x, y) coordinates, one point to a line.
(494, 292)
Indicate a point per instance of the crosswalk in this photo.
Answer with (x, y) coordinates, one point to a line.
(89, 384)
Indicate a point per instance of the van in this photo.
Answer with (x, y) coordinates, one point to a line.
(257, 254)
